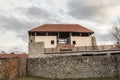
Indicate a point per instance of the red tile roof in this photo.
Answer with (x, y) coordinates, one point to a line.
(61, 28)
(13, 55)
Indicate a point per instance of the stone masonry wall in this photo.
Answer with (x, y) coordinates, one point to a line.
(12, 68)
(22, 67)
(1, 70)
(36, 49)
(75, 66)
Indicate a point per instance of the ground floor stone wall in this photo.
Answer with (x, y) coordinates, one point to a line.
(75, 66)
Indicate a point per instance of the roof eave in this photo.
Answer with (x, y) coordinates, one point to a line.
(60, 31)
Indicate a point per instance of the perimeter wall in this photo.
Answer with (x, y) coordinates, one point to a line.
(75, 66)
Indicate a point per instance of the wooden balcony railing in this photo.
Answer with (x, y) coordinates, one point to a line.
(82, 48)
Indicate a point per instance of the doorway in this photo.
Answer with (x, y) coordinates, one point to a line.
(63, 37)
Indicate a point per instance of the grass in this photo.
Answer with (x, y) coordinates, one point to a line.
(36, 78)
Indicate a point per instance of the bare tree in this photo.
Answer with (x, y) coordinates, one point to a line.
(116, 30)
(116, 34)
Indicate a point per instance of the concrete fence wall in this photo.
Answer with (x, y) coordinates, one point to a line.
(75, 66)
(12, 68)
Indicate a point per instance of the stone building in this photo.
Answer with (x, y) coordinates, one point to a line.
(62, 35)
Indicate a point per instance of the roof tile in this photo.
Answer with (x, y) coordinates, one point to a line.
(61, 28)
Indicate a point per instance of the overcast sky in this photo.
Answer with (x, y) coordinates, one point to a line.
(19, 16)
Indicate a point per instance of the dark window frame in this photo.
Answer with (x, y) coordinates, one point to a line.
(74, 42)
(52, 42)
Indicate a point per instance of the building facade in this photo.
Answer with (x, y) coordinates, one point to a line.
(59, 35)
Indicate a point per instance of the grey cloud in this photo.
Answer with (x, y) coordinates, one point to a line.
(105, 37)
(16, 49)
(82, 10)
(36, 12)
(23, 36)
(15, 24)
(113, 3)
(116, 21)
(20, 25)
(86, 10)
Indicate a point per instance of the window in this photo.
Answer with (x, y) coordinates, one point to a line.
(40, 33)
(52, 34)
(85, 34)
(52, 42)
(31, 41)
(74, 42)
(75, 34)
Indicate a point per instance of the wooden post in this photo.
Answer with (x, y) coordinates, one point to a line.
(58, 35)
(111, 46)
(70, 37)
(102, 47)
(35, 33)
(46, 33)
(77, 49)
(58, 38)
(52, 49)
(80, 34)
(44, 50)
(85, 47)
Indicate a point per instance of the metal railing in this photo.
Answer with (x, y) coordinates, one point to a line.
(83, 48)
